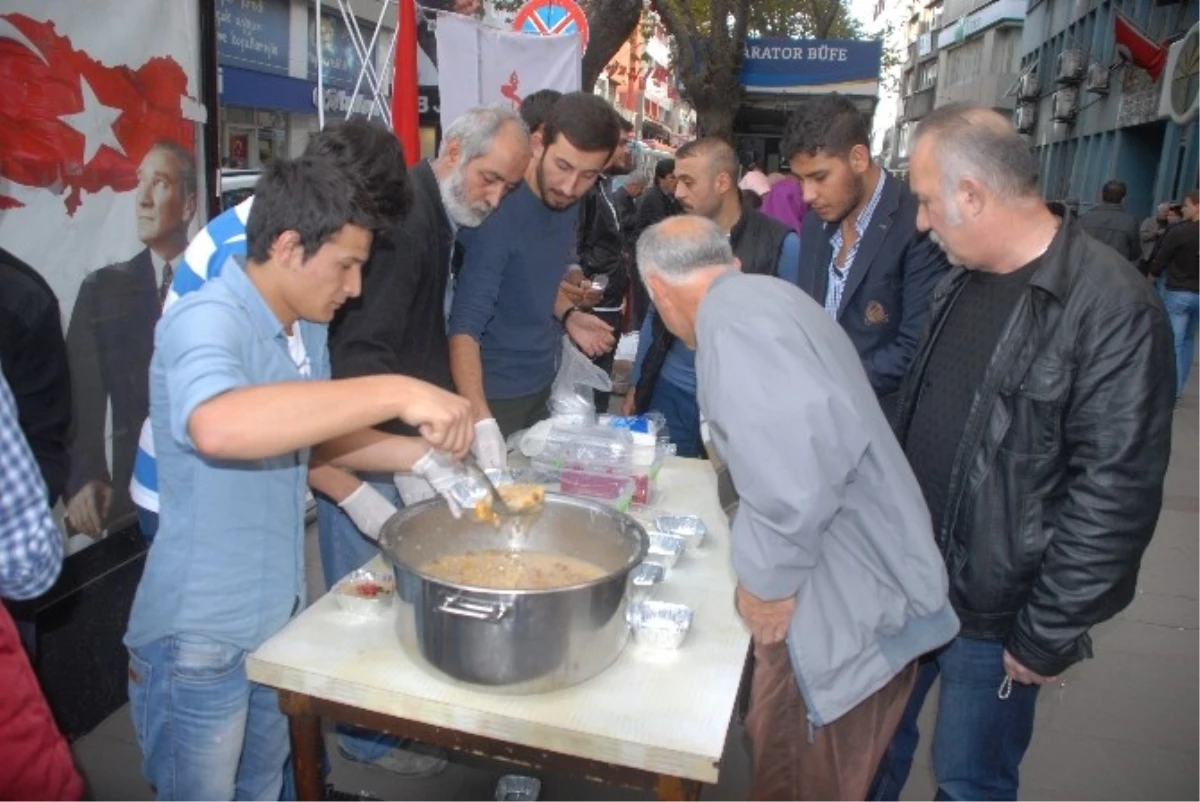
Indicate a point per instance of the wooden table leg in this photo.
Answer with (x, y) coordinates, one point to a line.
(676, 788)
(305, 730)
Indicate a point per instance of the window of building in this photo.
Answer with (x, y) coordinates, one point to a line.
(964, 63)
(927, 75)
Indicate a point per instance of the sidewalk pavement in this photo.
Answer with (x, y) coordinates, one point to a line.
(1123, 725)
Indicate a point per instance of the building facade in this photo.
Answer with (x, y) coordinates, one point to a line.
(267, 56)
(957, 50)
(1092, 117)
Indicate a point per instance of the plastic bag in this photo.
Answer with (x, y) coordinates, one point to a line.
(571, 395)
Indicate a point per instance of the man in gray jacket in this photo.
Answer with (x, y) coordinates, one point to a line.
(1112, 225)
(839, 579)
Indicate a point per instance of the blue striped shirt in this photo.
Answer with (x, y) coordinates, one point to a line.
(206, 254)
(837, 277)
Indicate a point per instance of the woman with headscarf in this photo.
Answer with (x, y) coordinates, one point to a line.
(785, 203)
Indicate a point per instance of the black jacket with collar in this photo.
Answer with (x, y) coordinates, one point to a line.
(1058, 479)
(889, 286)
(398, 324)
(757, 241)
(602, 246)
(1116, 228)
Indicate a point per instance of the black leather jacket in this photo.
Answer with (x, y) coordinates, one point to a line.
(1057, 483)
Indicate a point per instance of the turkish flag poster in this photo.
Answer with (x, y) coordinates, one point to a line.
(101, 187)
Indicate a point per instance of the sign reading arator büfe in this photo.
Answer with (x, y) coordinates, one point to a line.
(812, 66)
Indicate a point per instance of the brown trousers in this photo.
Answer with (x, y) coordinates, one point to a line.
(843, 756)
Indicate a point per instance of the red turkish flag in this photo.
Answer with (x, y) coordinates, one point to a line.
(1137, 47)
(69, 123)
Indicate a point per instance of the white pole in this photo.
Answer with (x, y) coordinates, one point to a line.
(320, 69)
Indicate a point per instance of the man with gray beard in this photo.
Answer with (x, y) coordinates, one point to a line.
(398, 325)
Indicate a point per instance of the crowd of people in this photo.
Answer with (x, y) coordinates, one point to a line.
(945, 408)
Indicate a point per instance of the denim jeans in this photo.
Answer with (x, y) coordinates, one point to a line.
(205, 730)
(1184, 310)
(682, 411)
(147, 522)
(979, 739)
(344, 549)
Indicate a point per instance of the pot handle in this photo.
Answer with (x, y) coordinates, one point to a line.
(468, 608)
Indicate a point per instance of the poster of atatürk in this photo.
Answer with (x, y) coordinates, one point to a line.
(99, 194)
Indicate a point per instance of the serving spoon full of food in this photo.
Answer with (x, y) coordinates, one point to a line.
(507, 502)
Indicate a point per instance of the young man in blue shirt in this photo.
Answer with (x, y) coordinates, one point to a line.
(508, 314)
(240, 402)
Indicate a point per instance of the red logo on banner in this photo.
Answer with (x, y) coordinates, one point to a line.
(509, 90)
(71, 124)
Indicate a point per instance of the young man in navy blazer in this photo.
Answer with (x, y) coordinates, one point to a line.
(861, 255)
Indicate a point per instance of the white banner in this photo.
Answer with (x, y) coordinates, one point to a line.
(494, 67)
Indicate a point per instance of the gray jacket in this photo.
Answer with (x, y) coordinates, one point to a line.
(830, 511)
(1116, 228)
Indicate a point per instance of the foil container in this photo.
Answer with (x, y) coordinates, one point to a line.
(643, 578)
(352, 593)
(689, 527)
(665, 549)
(661, 625)
(516, 787)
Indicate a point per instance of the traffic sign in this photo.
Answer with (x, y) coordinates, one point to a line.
(552, 17)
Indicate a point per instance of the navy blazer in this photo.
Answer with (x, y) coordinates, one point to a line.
(889, 288)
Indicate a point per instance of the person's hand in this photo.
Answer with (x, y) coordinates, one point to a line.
(578, 289)
(1019, 673)
(88, 509)
(768, 620)
(593, 336)
(629, 405)
(444, 474)
(490, 449)
(442, 418)
(368, 509)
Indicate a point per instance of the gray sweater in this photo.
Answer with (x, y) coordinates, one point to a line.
(830, 511)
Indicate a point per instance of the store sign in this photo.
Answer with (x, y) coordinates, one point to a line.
(339, 101)
(991, 14)
(812, 66)
(253, 33)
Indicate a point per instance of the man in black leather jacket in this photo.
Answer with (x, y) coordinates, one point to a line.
(1037, 418)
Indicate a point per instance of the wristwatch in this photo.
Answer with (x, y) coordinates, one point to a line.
(567, 314)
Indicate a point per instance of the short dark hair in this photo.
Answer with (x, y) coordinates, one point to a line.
(1113, 191)
(663, 169)
(187, 164)
(313, 196)
(1193, 196)
(751, 199)
(587, 121)
(626, 125)
(831, 123)
(373, 157)
(719, 152)
(536, 108)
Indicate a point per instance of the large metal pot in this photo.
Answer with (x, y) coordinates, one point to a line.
(526, 641)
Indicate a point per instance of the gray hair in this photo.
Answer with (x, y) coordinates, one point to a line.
(975, 142)
(679, 246)
(476, 130)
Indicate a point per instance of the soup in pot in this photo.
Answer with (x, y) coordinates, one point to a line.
(512, 570)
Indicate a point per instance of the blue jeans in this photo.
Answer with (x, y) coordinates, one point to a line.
(205, 730)
(345, 549)
(682, 411)
(979, 739)
(1184, 310)
(147, 522)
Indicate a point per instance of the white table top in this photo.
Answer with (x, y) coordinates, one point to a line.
(665, 712)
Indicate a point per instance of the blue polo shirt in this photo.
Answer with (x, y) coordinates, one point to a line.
(228, 560)
(505, 293)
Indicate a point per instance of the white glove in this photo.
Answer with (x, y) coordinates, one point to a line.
(369, 510)
(451, 480)
(413, 489)
(489, 447)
